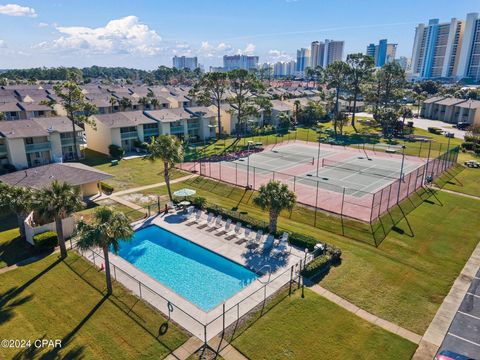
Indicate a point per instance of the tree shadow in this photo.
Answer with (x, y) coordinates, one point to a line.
(77, 352)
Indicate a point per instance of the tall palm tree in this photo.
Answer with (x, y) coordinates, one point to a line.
(17, 200)
(105, 231)
(296, 109)
(113, 102)
(57, 202)
(274, 197)
(168, 149)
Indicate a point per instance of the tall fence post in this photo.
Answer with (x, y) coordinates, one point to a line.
(291, 279)
(158, 204)
(223, 319)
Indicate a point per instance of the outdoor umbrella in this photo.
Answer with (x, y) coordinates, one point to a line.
(184, 192)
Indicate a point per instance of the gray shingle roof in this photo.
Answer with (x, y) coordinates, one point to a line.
(123, 119)
(42, 176)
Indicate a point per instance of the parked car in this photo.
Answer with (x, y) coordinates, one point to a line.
(450, 355)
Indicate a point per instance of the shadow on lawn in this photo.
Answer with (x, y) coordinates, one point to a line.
(117, 301)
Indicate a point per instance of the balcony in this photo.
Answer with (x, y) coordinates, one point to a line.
(150, 132)
(69, 141)
(193, 126)
(37, 147)
(129, 135)
(177, 129)
(3, 149)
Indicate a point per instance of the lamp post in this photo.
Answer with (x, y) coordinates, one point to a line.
(318, 153)
(401, 173)
(248, 163)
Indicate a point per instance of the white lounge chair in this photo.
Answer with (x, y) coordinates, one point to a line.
(235, 232)
(283, 238)
(267, 245)
(189, 213)
(226, 228)
(215, 224)
(255, 241)
(247, 235)
(206, 222)
(197, 219)
(281, 249)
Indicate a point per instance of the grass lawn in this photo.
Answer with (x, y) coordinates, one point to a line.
(315, 328)
(466, 182)
(12, 248)
(405, 279)
(64, 300)
(133, 215)
(128, 173)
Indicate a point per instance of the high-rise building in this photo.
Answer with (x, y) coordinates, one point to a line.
(436, 49)
(303, 60)
(183, 62)
(246, 62)
(469, 58)
(382, 53)
(291, 67)
(403, 62)
(316, 54)
(283, 69)
(333, 51)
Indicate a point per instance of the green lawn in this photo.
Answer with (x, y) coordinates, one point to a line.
(128, 173)
(315, 328)
(405, 279)
(64, 300)
(466, 182)
(132, 214)
(12, 248)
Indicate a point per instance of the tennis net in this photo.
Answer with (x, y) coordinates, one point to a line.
(372, 170)
(287, 156)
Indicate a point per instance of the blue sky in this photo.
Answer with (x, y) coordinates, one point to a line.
(145, 34)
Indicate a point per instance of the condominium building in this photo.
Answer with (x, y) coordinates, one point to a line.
(382, 53)
(316, 54)
(469, 59)
(183, 62)
(233, 62)
(303, 60)
(437, 48)
(333, 51)
(283, 69)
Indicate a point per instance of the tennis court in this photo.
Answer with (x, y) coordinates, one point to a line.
(357, 183)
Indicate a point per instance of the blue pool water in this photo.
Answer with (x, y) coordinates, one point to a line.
(193, 272)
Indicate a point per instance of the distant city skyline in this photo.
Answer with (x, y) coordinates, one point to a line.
(150, 33)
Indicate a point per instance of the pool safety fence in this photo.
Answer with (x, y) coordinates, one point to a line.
(203, 327)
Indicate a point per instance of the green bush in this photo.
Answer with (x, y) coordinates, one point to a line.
(303, 241)
(106, 188)
(199, 202)
(46, 240)
(321, 263)
(434, 130)
(116, 151)
(334, 252)
(468, 145)
(236, 216)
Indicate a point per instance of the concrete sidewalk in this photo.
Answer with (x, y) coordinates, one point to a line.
(433, 337)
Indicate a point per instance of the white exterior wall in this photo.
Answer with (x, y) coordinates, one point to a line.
(89, 189)
(466, 48)
(56, 149)
(100, 138)
(30, 231)
(16, 153)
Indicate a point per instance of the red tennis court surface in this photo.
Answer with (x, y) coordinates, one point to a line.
(364, 194)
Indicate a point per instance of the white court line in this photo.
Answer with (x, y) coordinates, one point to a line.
(472, 316)
(461, 338)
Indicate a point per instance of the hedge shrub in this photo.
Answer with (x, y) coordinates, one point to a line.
(468, 145)
(434, 130)
(199, 202)
(236, 216)
(46, 240)
(303, 241)
(116, 151)
(106, 188)
(321, 263)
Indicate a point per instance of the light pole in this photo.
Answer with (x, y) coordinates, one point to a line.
(318, 153)
(248, 163)
(401, 173)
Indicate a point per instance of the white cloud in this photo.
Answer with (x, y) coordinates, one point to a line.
(121, 36)
(3, 44)
(278, 55)
(42, 25)
(17, 10)
(208, 49)
(248, 50)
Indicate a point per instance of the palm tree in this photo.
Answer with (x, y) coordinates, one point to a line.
(105, 231)
(57, 202)
(155, 103)
(274, 197)
(166, 148)
(113, 102)
(17, 200)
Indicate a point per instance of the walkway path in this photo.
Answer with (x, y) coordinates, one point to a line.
(387, 325)
(151, 186)
(28, 261)
(459, 194)
(433, 337)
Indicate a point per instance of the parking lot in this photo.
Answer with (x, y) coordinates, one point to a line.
(463, 336)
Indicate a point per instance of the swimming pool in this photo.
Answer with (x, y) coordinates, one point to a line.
(203, 277)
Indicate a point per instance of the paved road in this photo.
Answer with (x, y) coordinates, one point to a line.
(426, 123)
(463, 336)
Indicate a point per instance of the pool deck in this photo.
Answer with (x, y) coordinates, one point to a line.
(185, 313)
